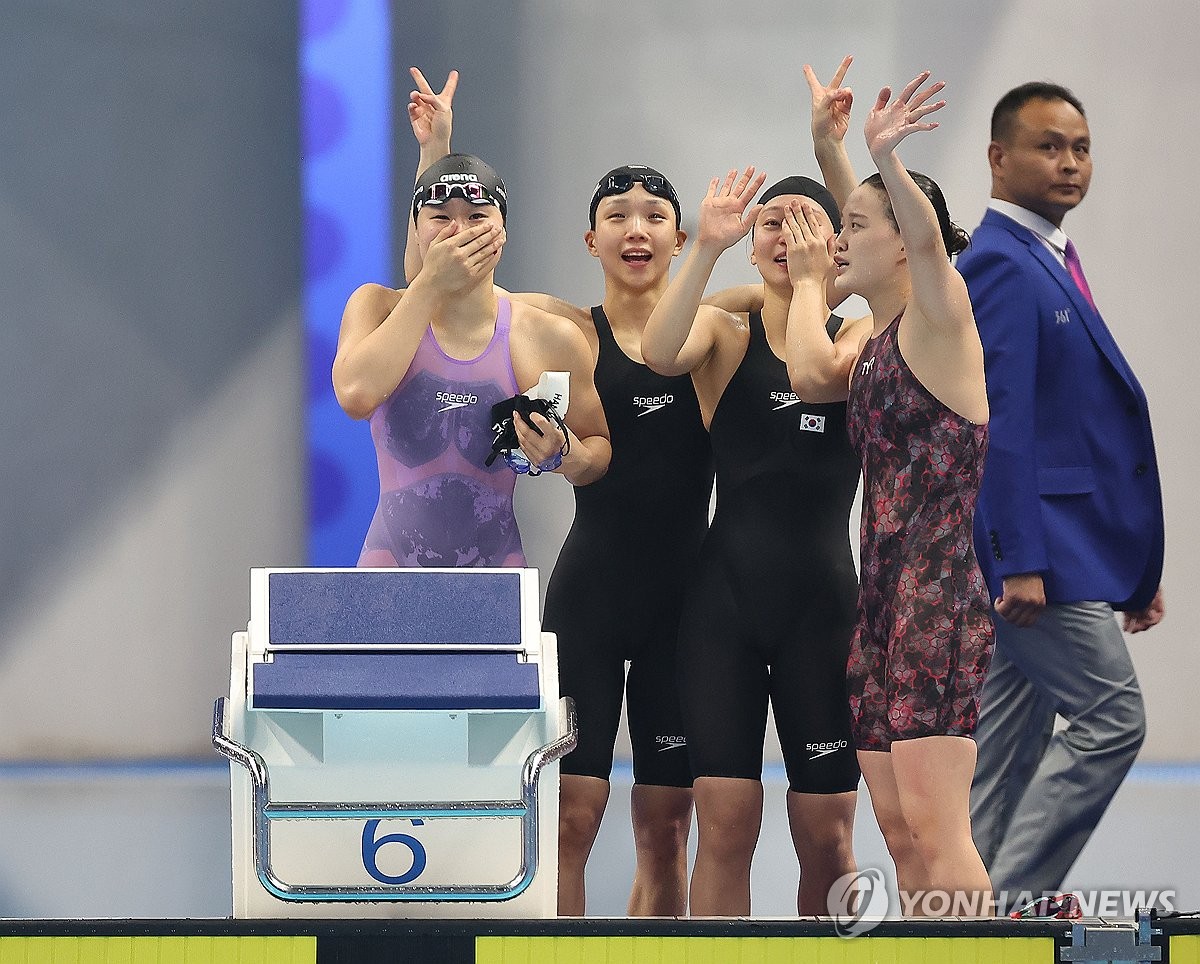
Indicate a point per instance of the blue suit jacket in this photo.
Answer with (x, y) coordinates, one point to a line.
(1071, 487)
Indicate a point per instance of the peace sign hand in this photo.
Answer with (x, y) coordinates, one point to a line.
(830, 103)
(431, 114)
(724, 219)
(889, 123)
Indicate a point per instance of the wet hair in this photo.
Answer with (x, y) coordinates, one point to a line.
(622, 179)
(460, 174)
(953, 237)
(1004, 114)
(806, 187)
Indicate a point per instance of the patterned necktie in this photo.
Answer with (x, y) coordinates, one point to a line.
(1075, 269)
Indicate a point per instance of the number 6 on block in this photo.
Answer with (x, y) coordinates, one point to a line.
(371, 847)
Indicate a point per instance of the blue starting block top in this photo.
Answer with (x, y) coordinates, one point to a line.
(360, 639)
(362, 607)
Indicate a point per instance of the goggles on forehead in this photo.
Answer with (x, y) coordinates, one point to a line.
(439, 192)
(622, 182)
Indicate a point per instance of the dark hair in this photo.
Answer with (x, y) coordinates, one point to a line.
(953, 237)
(1006, 108)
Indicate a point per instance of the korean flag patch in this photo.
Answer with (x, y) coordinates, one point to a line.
(812, 423)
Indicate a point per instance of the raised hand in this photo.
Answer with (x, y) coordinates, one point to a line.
(430, 113)
(889, 123)
(807, 238)
(724, 219)
(831, 103)
(457, 259)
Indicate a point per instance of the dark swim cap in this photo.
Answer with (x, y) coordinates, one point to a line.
(806, 187)
(464, 176)
(622, 179)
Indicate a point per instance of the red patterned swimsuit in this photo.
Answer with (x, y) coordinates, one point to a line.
(924, 636)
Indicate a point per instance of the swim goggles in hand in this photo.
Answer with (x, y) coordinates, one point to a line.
(505, 442)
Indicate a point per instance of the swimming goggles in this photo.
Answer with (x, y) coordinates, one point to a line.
(1059, 906)
(623, 181)
(439, 192)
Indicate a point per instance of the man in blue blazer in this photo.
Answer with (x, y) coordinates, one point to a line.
(1069, 524)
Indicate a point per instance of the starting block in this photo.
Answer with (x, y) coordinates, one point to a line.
(432, 695)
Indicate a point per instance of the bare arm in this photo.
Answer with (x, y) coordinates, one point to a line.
(556, 306)
(382, 328)
(672, 344)
(379, 335)
(432, 119)
(818, 367)
(560, 346)
(938, 290)
(830, 120)
(744, 298)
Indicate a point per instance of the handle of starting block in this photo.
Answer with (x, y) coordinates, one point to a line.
(265, 811)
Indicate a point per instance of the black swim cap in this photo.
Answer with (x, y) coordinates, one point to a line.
(622, 179)
(462, 175)
(806, 187)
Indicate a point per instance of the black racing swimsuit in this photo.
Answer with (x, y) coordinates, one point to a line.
(774, 603)
(617, 589)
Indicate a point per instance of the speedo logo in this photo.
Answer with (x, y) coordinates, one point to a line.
(652, 404)
(451, 400)
(785, 400)
(819, 750)
(670, 742)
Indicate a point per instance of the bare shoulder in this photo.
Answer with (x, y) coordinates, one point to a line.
(727, 336)
(543, 341)
(546, 329)
(724, 324)
(366, 309)
(855, 331)
(546, 324)
(581, 317)
(374, 297)
(740, 298)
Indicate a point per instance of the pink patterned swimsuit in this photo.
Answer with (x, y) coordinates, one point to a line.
(924, 636)
(440, 504)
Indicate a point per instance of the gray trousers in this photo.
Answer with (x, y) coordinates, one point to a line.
(1038, 794)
